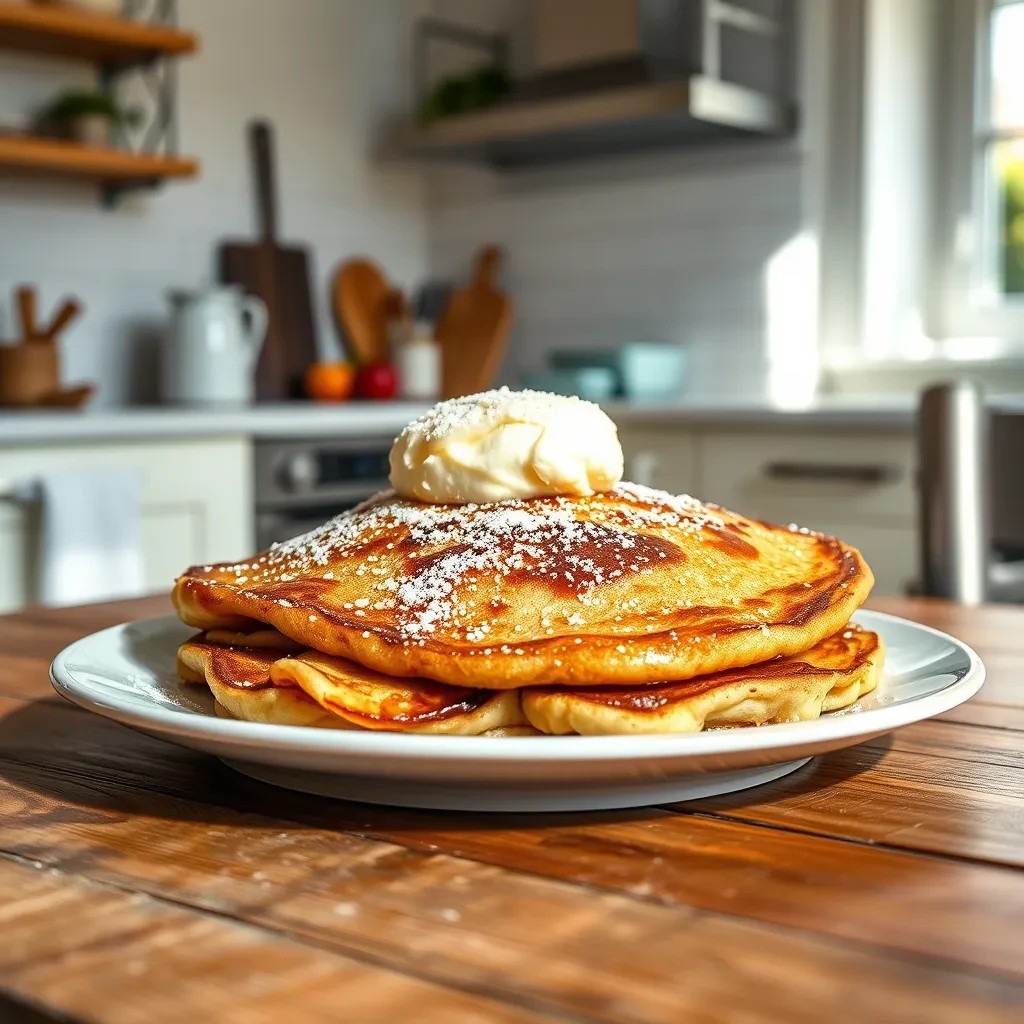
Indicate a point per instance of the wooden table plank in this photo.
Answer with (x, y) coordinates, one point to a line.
(989, 628)
(938, 805)
(601, 957)
(941, 738)
(769, 875)
(129, 958)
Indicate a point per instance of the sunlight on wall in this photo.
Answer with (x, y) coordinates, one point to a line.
(791, 321)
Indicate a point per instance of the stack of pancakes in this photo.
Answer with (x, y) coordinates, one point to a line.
(630, 611)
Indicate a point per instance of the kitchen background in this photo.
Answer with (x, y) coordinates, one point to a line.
(816, 269)
(670, 247)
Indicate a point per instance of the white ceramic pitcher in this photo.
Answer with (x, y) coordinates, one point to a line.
(211, 349)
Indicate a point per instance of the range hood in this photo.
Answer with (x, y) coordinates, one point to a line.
(644, 101)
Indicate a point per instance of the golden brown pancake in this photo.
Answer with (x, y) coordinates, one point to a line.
(239, 680)
(831, 675)
(261, 639)
(308, 688)
(630, 586)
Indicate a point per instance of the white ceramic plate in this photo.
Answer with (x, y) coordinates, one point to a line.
(127, 673)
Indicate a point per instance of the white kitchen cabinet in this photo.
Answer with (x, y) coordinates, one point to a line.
(809, 477)
(197, 504)
(660, 457)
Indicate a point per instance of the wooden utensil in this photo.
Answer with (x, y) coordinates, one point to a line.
(398, 320)
(279, 275)
(25, 296)
(359, 299)
(67, 311)
(473, 329)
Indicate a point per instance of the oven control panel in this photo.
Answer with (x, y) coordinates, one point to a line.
(310, 471)
(301, 483)
(307, 469)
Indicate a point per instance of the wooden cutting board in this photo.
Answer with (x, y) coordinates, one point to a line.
(279, 275)
(473, 329)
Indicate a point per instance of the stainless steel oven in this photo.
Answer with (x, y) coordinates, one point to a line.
(300, 483)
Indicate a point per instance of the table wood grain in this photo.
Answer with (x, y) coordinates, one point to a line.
(143, 882)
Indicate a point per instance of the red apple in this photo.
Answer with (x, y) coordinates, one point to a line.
(377, 380)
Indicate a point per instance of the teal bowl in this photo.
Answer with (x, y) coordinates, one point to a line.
(652, 372)
(643, 371)
(594, 383)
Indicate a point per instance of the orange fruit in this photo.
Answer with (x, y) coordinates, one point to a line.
(329, 382)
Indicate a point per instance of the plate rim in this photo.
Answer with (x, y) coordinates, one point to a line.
(776, 737)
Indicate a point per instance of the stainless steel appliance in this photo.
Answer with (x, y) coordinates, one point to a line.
(971, 488)
(299, 483)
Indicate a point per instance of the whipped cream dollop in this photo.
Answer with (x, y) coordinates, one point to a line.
(505, 444)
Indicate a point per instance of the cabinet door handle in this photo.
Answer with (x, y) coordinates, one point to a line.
(840, 472)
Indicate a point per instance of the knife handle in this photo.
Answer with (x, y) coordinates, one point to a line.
(261, 141)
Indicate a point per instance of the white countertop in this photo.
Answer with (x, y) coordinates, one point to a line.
(891, 412)
(385, 419)
(284, 420)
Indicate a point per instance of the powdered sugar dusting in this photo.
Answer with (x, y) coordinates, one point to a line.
(447, 417)
(449, 550)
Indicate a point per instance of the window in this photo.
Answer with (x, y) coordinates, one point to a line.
(916, 128)
(1000, 145)
(980, 222)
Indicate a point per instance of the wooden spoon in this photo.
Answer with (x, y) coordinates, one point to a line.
(360, 301)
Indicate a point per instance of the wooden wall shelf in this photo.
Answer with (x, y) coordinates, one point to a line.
(83, 35)
(117, 46)
(70, 159)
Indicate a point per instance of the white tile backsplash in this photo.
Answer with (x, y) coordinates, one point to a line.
(652, 248)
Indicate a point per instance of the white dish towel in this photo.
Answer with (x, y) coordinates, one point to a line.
(90, 541)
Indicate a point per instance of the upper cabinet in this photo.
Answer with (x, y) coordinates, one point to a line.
(590, 77)
(140, 157)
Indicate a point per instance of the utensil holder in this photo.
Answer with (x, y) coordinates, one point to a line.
(29, 373)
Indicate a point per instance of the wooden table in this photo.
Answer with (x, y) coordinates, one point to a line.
(140, 882)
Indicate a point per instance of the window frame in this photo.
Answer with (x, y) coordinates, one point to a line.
(971, 317)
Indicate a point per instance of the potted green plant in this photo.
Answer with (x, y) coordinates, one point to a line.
(461, 94)
(87, 116)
